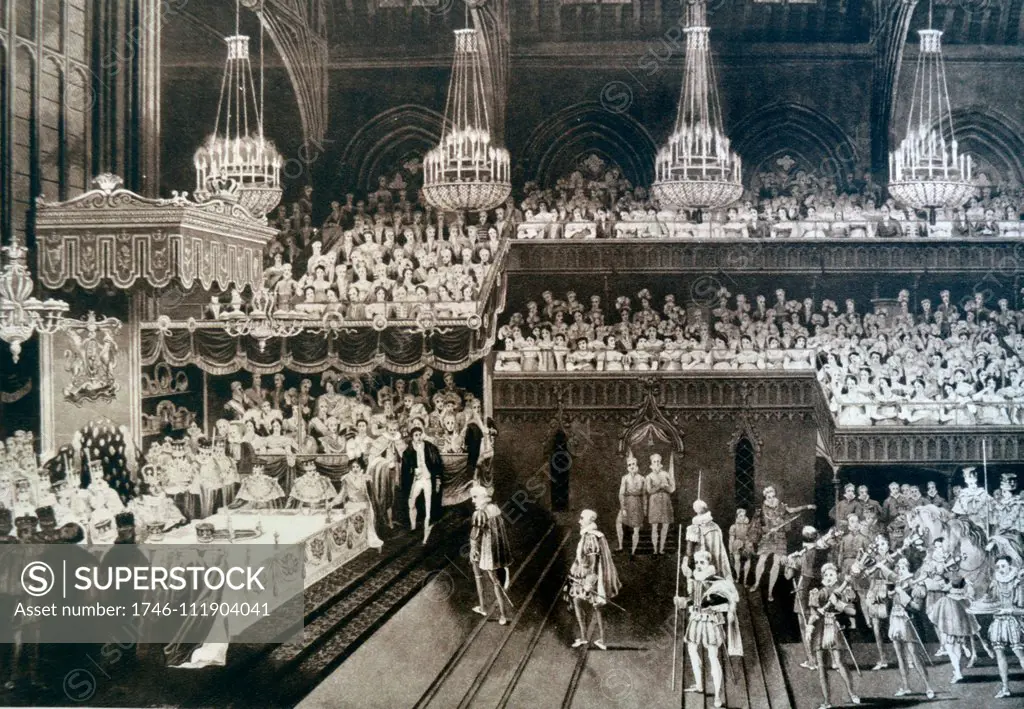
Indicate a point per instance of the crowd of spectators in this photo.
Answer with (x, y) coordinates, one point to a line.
(596, 201)
(340, 416)
(893, 365)
(382, 256)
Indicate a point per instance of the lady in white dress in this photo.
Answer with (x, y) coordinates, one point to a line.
(612, 357)
(356, 491)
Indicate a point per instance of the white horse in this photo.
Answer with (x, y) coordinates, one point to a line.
(963, 541)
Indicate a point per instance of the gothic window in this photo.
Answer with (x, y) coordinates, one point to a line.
(560, 469)
(745, 474)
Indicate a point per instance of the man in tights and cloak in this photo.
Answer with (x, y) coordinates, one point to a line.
(704, 533)
(490, 551)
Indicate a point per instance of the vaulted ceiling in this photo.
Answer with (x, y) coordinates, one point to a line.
(373, 29)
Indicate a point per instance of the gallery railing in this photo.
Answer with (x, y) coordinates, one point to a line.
(819, 229)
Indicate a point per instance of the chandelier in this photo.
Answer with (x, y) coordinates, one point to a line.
(697, 169)
(467, 170)
(237, 162)
(21, 315)
(265, 322)
(926, 171)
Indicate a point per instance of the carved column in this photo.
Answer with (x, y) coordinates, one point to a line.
(888, 37)
(126, 91)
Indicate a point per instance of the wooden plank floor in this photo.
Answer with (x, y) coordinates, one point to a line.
(771, 667)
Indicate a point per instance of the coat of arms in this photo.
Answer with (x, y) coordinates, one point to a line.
(92, 359)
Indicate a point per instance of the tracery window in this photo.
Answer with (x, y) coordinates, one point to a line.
(744, 474)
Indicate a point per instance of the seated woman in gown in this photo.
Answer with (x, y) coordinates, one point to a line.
(355, 494)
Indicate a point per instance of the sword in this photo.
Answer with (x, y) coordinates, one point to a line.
(788, 521)
(920, 642)
(675, 622)
(847, 645)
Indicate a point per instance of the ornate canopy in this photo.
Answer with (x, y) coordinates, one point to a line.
(112, 233)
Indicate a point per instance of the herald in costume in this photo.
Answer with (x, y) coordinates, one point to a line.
(711, 599)
(946, 597)
(771, 523)
(661, 485)
(827, 603)
(806, 563)
(489, 550)
(871, 570)
(632, 503)
(903, 635)
(739, 546)
(703, 533)
(593, 579)
(422, 474)
(1007, 593)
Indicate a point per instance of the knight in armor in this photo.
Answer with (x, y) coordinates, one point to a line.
(489, 550)
(711, 599)
(593, 579)
(827, 603)
(632, 503)
(973, 502)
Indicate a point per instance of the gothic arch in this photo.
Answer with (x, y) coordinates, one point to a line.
(995, 138)
(561, 142)
(812, 139)
(745, 474)
(386, 140)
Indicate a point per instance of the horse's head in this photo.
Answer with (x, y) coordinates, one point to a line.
(927, 520)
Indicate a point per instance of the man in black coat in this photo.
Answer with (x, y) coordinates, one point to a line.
(422, 473)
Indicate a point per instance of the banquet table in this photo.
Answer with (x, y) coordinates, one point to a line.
(327, 546)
